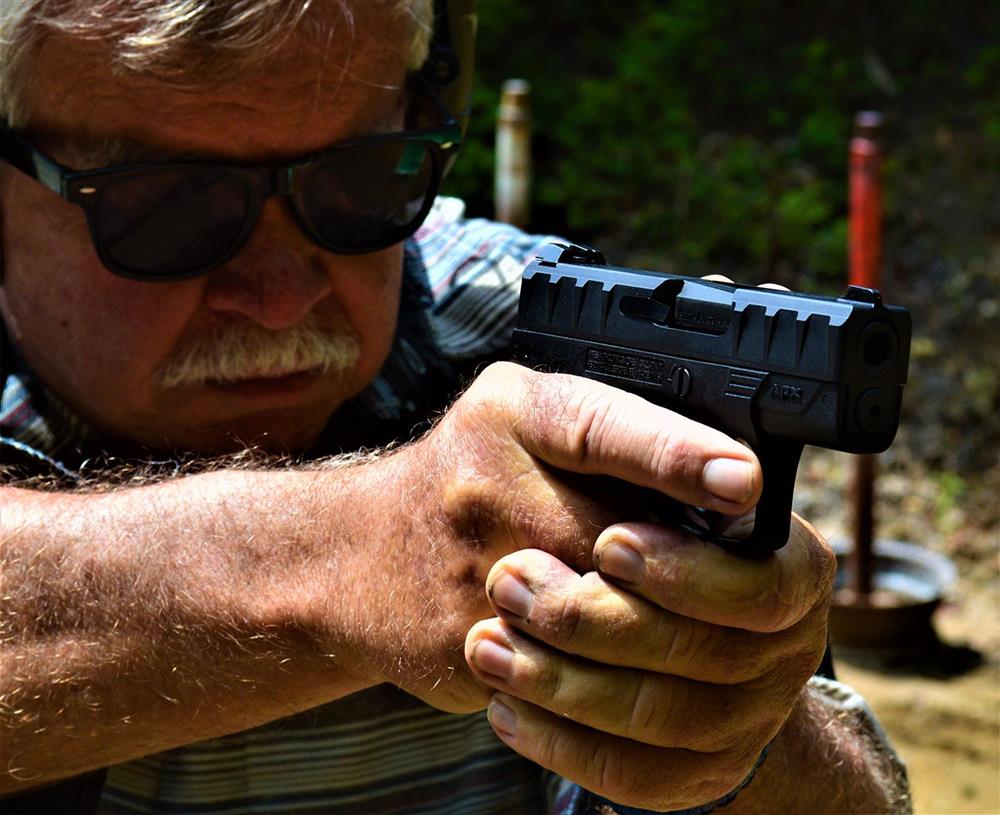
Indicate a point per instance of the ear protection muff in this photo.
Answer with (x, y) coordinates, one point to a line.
(451, 62)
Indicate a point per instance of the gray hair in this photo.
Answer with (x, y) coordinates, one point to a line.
(177, 40)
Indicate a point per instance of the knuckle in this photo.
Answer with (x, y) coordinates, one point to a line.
(591, 415)
(671, 453)
(567, 415)
(681, 641)
(730, 656)
(548, 684)
(552, 745)
(671, 713)
(500, 374)
(616, 777)
(568, 617)
(589, 425)
(649, 718)
(490, 396)
(481, 391)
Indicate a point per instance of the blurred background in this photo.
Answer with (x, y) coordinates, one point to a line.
(700, 137)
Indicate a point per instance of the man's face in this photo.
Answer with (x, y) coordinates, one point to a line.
(102, 342)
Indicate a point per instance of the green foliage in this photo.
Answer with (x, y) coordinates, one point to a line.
(716, 133)
(951, 489)
(983, 79)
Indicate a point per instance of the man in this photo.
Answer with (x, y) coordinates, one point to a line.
(245, 635)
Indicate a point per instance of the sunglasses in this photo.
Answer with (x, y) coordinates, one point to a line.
(170, 220)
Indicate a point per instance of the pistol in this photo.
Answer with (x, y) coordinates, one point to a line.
(777, 369)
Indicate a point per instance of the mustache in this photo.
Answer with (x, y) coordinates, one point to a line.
(242, 351)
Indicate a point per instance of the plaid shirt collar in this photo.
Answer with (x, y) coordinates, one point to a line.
(33, 415)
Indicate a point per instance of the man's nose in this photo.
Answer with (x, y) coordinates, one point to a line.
(276, 278)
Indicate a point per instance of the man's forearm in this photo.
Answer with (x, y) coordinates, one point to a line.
(140, 619)
(826, 761)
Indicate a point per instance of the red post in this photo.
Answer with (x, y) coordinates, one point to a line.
(865, 218)
(865, 259)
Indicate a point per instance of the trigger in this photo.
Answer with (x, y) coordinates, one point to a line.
(718, 524)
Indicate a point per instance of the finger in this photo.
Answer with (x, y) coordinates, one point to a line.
(587, 427)
(632, 774)
(718, 278)
(647, 707)
(588, 616)
(698, 579)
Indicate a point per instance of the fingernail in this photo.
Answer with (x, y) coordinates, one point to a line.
(502, 718)
(493, 658)
(620, 560)
(512, 595)
(729, 479)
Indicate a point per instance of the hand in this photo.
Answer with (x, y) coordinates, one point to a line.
(657, 680)
(501, 472)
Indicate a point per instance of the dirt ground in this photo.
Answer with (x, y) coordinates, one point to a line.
(940, 703)
(945, 728)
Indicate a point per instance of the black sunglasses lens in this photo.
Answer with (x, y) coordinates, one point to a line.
(172, 222)
(368, 197)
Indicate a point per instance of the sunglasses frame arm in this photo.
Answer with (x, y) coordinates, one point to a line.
(31, 161)
(426, 103)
